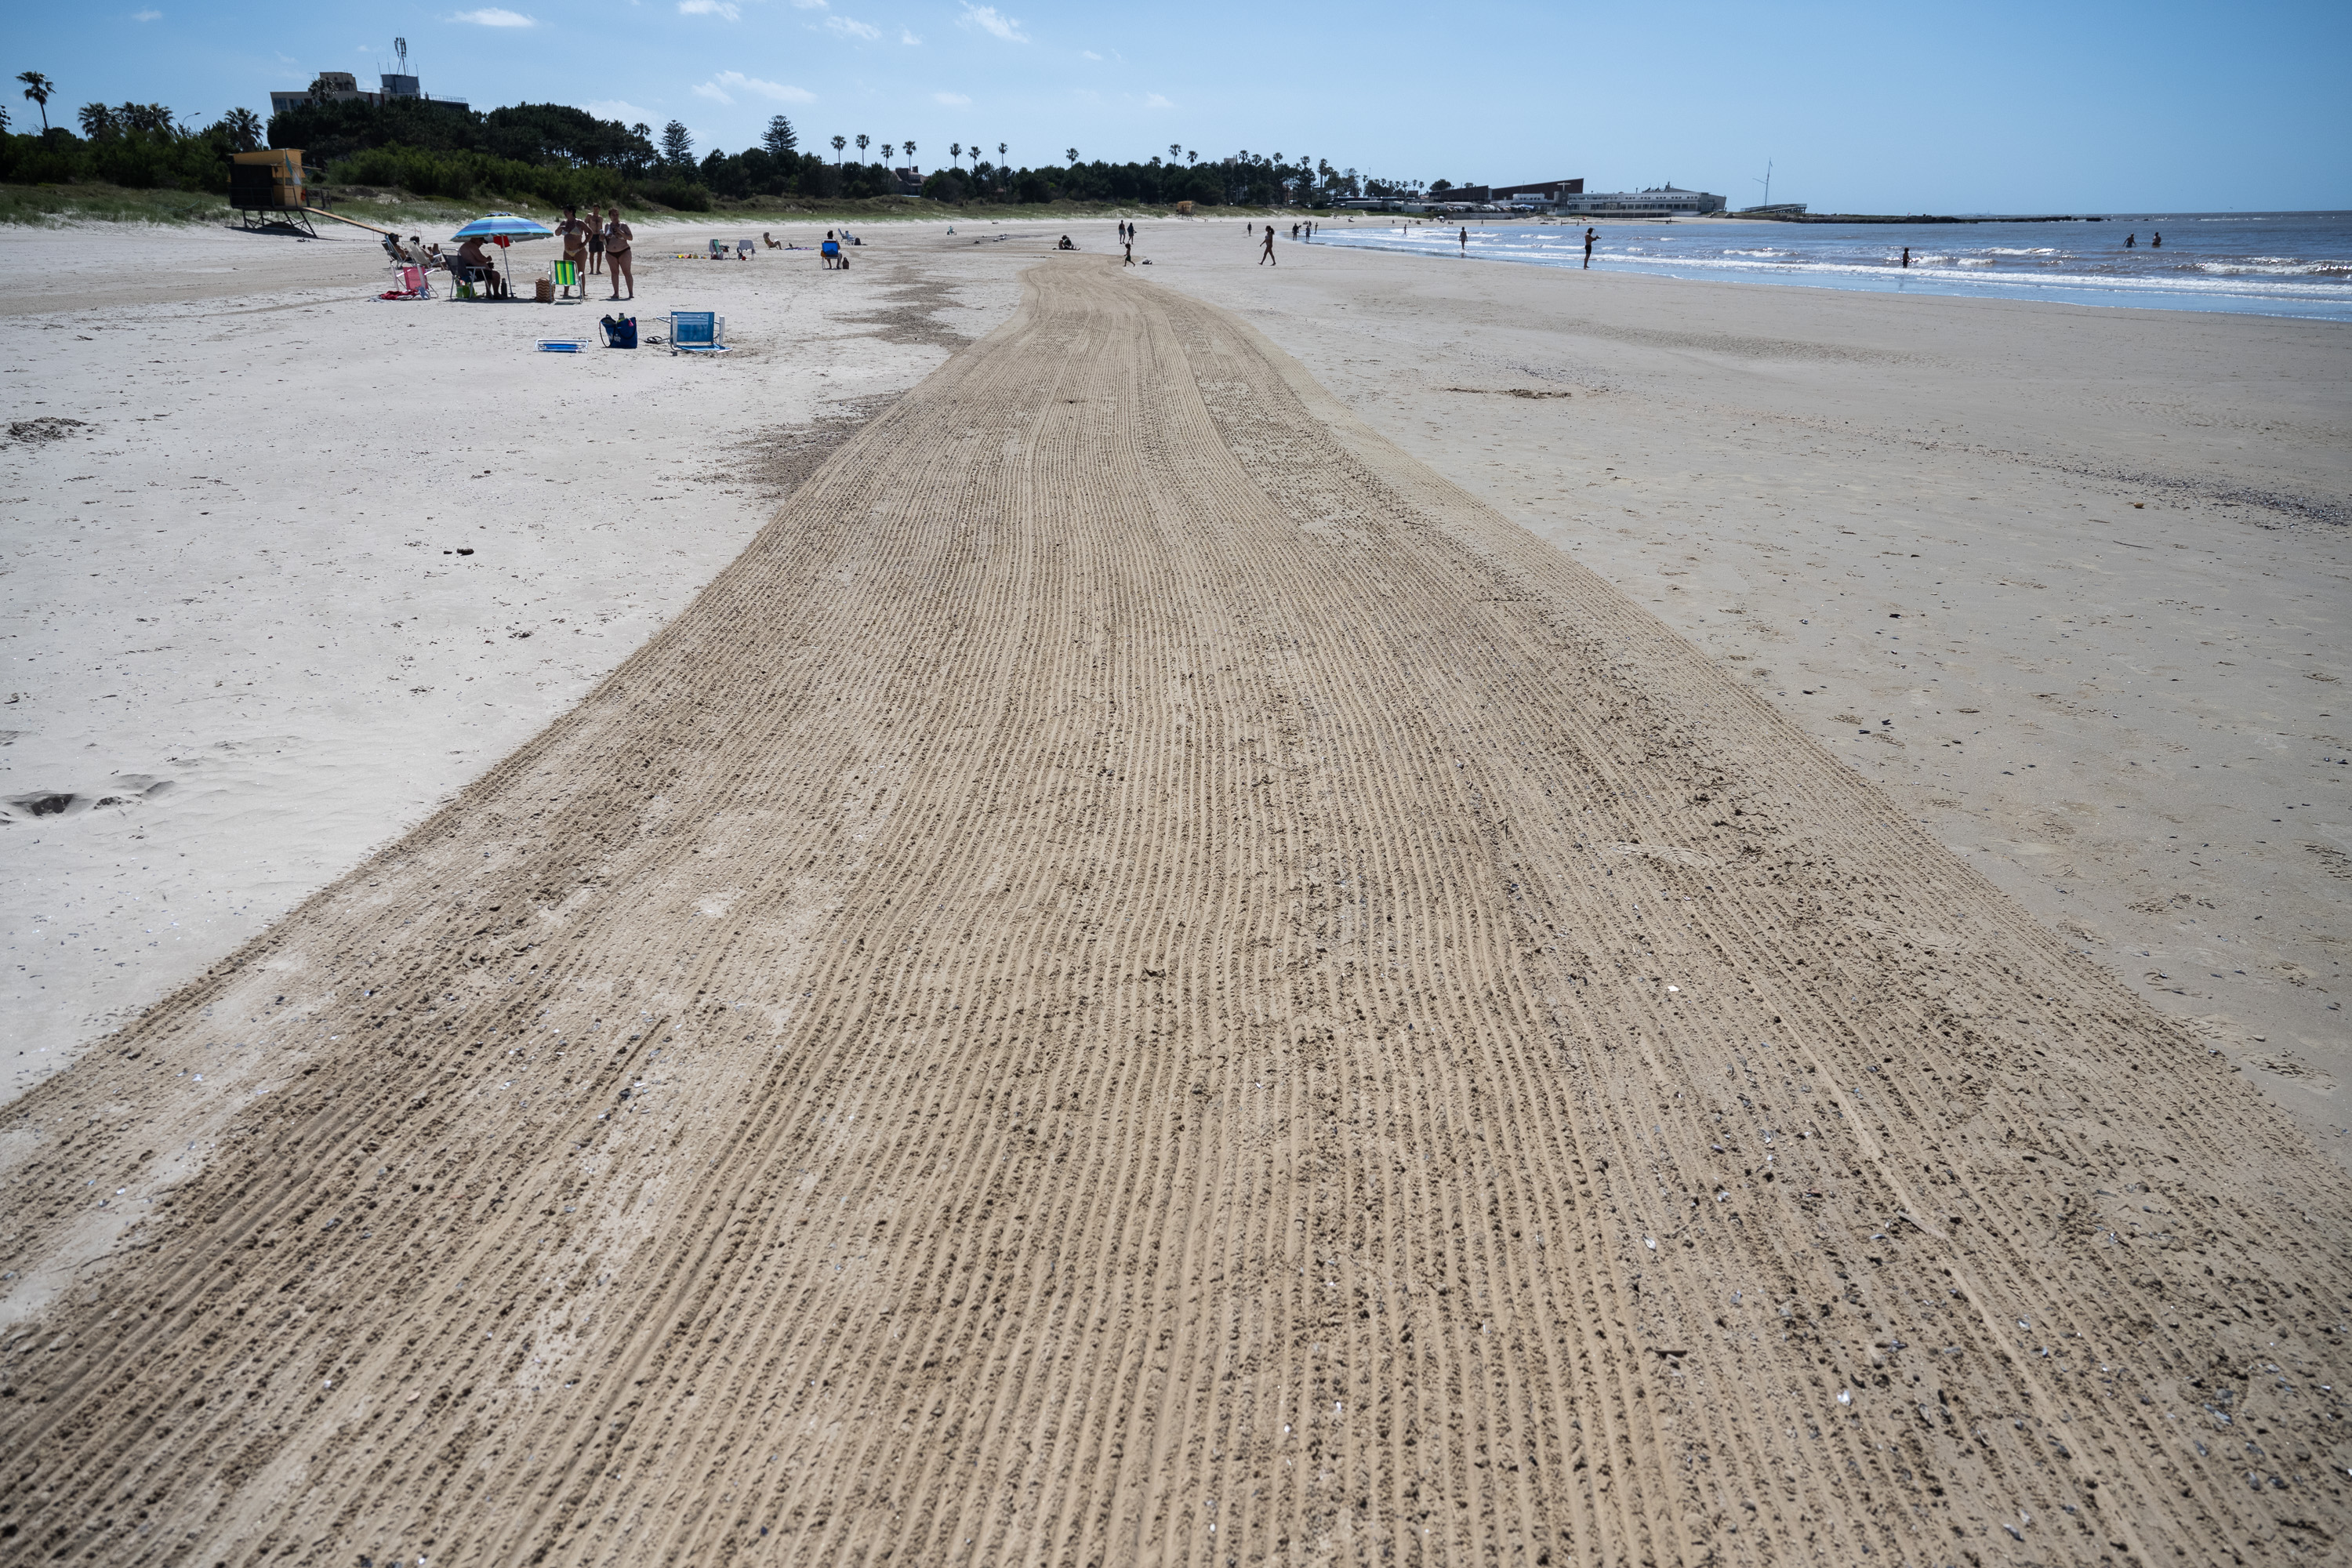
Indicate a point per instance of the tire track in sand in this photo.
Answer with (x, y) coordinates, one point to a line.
(1184, 992)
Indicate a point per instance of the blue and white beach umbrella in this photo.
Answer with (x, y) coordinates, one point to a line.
(506, 226)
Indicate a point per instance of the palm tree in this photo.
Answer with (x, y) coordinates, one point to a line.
(244, 128)
(37, 87)
(909, 146)
(1001, 148)
(1192, 157)
(955, 152)
(1071, 154)
(889, 150)
(861, 148)
(1175, 151)
(838, 143)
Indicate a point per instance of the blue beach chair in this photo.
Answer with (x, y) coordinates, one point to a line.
(698, 332)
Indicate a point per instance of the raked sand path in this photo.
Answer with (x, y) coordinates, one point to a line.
(1143, 979)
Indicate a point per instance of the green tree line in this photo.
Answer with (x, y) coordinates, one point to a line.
(141, 146)
(565, 156)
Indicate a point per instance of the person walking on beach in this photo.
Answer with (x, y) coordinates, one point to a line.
(1907, 256)
(1588, 250)
(618, 239)
(1268, 254)
(1127, 245)
(596, 243)
(1465, 242)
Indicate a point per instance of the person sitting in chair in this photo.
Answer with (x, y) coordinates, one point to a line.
(471, 262)
(773, 242)
(475, 266)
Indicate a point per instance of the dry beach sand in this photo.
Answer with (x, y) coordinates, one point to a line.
(1141, 976)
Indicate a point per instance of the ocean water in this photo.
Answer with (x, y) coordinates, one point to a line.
(2272, 264)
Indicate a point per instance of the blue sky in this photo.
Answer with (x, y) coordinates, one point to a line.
(2000, 107)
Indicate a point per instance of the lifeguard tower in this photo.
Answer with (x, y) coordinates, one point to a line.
(269, 190)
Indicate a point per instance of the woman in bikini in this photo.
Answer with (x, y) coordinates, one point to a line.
(617, 239)
(574, 234)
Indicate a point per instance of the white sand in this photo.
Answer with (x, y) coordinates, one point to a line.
(232, 601)
(2128, 716)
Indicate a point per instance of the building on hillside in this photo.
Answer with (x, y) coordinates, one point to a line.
(1665, 200)
(343, 87)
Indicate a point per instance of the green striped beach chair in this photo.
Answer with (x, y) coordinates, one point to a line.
(567, 278)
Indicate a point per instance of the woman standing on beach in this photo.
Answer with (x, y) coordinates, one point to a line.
(574, 234)
(595, 242)
(618, 237)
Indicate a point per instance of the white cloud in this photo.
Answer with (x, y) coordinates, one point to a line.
(495, 16)
(723, 9)
(780, 92)
(842, 27)
(952, 99)
(989, 19)
(810, 4)
(1153, 100)
(146, 15)
(711, 91)
(619, 109)
(906, 36)
(1088, 53)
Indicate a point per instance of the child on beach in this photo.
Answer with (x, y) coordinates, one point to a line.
(596, 243)
(1266, 254)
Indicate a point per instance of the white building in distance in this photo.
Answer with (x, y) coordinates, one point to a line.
(1666, 200)
(341, 87)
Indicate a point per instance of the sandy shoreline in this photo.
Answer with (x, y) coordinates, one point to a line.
(1776, 477)
(1223, 939)
(2110, 533)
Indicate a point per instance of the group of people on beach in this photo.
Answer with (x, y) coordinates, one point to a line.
(590, 243)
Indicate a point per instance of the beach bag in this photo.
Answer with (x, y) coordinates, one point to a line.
(543, 291)
(620, 331)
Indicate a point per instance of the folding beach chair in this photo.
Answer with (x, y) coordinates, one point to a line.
(717, 251)
(408, 283)
(696, 331)
(743, 248)
(566, 275)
